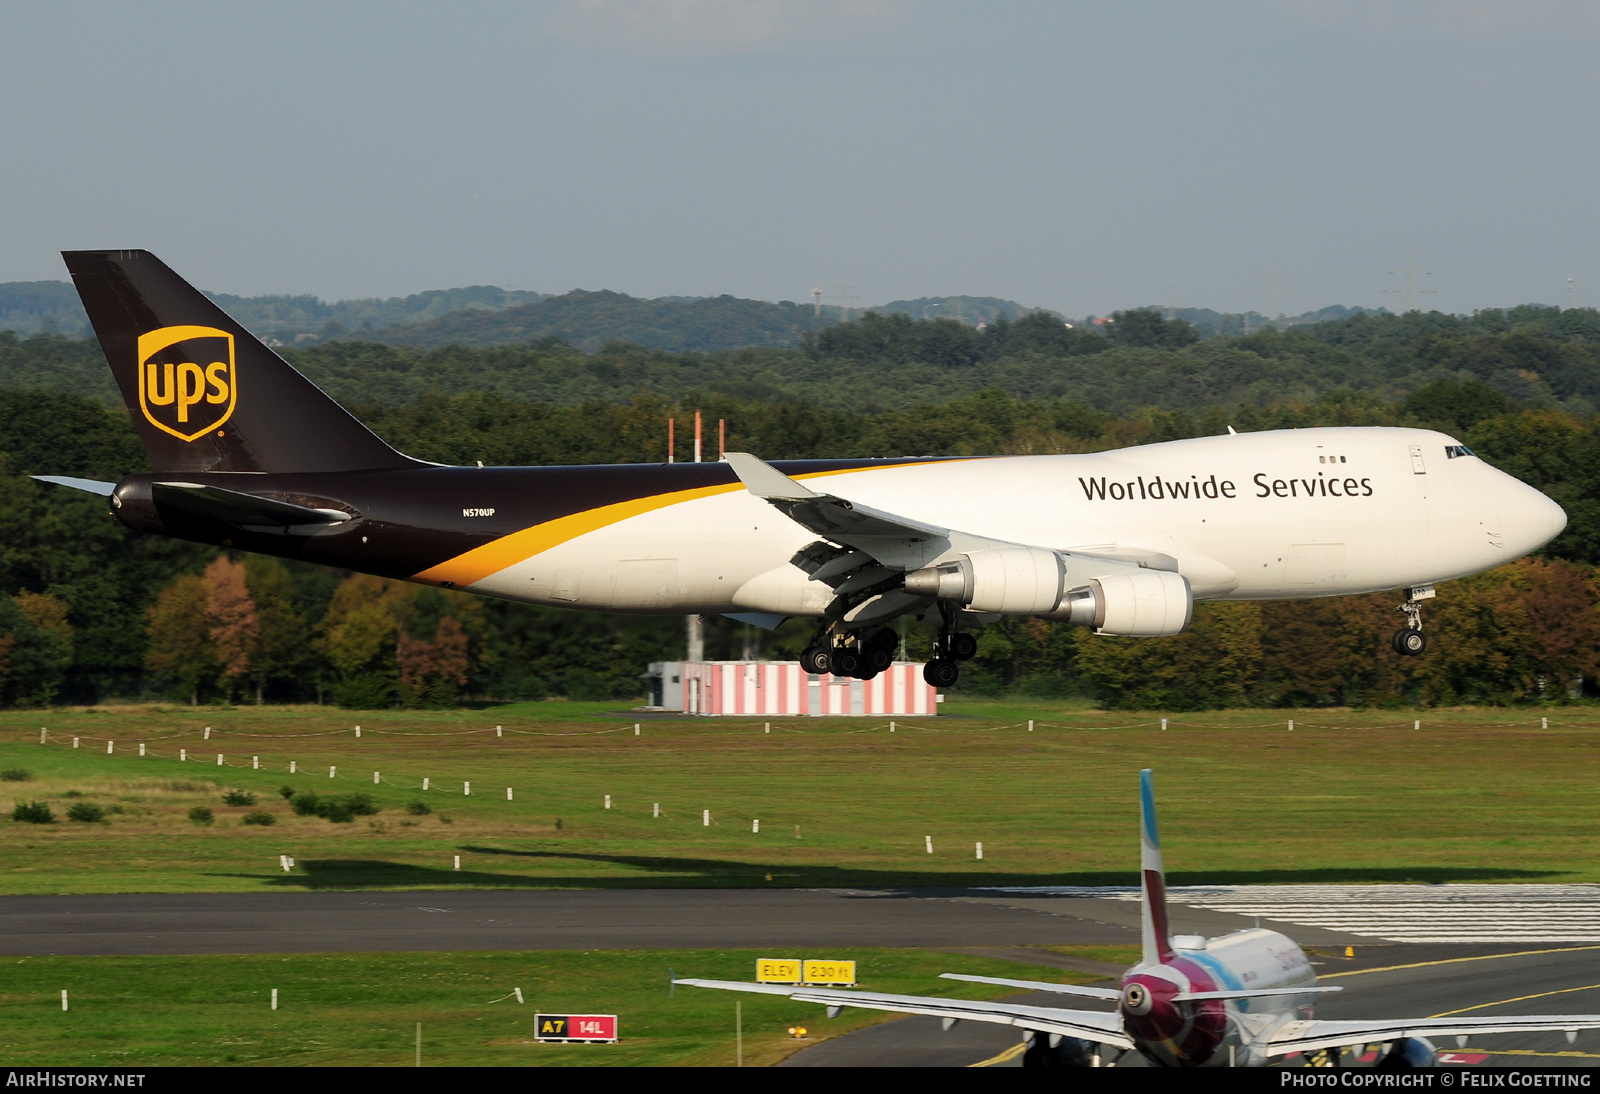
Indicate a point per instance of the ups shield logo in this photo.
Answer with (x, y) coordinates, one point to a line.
(187, 384)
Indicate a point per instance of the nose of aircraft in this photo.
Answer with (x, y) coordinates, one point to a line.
(1528, 518)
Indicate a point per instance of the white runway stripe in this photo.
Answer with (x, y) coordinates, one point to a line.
(1397, 913)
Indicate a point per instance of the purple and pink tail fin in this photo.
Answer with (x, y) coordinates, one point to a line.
(1153, 883)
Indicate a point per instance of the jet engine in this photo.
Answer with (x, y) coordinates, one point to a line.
(1408, 1053)
(1033, 581)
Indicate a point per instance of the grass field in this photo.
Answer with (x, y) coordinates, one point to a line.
(362, 1009)
(1346, 796)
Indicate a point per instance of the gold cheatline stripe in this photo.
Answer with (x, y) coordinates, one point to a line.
(491, 558)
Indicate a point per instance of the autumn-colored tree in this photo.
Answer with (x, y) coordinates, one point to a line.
(360, 636)
(180, 647)
(432, 674)
(233, 624)
(50, 655)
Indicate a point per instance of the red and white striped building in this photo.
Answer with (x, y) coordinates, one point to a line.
(752, 688)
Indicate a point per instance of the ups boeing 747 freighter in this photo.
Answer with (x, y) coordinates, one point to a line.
(250, 455)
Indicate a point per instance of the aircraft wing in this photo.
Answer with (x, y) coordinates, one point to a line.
(1102, 1027)
(1313, 1035)
(824, 514)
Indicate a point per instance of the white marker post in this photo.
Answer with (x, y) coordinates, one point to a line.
(498, 732)
(141, 748)
(1163, 725)
(283, 860)
(508, 794)
(358, 733)
(657, 811)
(291, 767)
(1544, 723)
(766, 727)
(63, 998)
(466, 790)
(608, 801)
(1416, 724)
(424, 782)
(74, 742)
(518, 993)
(928, 840)
(274, 998)
(1030, 725)
(458, 862)
(219, 759)
(636, 729)
(705, 818)
(1291, 725)
(255, 763)
(108, 747)
(891, 727)
(43, 734)
(207, 737)
(183, 753)
(375, 778)
(980, 848)
(332, 772)
(755, 826)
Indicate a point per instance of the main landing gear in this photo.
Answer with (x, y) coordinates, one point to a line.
(1409, 640)
(949, 649)
(853, 654)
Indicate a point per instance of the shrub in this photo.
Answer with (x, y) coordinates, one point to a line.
(286, 792)
(87, 812)
(338, 810)
(260, 818)
(334, 810)
(201, 814)
(73, 794)
(16, 775)
(419, 809)
(33, 813)
(238, 797)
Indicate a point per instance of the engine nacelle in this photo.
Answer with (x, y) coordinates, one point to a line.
(1408, 1053)
(1132, 604)
(1004, 580)
(1031, 581)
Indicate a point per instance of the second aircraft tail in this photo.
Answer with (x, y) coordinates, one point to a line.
(1155, 932)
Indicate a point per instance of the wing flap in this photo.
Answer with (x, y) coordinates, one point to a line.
(1038, 985)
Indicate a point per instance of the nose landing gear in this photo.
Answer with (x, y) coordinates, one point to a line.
(1409, 640)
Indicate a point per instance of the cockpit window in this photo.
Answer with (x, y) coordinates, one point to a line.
(1451, 451)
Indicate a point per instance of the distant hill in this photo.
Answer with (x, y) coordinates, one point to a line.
(52, 307)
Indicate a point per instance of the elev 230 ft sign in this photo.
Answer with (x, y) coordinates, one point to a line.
(187, 383)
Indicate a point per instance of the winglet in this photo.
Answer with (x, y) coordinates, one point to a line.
(1157, 937)
(765, 481)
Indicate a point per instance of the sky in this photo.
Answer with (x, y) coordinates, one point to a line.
(1268, 155)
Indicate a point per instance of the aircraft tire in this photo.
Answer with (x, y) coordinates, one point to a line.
(846, 662)
(1409, 642)
(877, 659)
(885, 639)
(941, 673)
(815, 661)
(963, 646)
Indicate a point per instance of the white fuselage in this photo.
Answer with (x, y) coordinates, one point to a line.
(1283, 514)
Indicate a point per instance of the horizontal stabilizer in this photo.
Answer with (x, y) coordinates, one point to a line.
(235, 507)
(93, 486)
(1037, 985)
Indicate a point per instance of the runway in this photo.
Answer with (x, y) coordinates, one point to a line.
(1452, 941)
